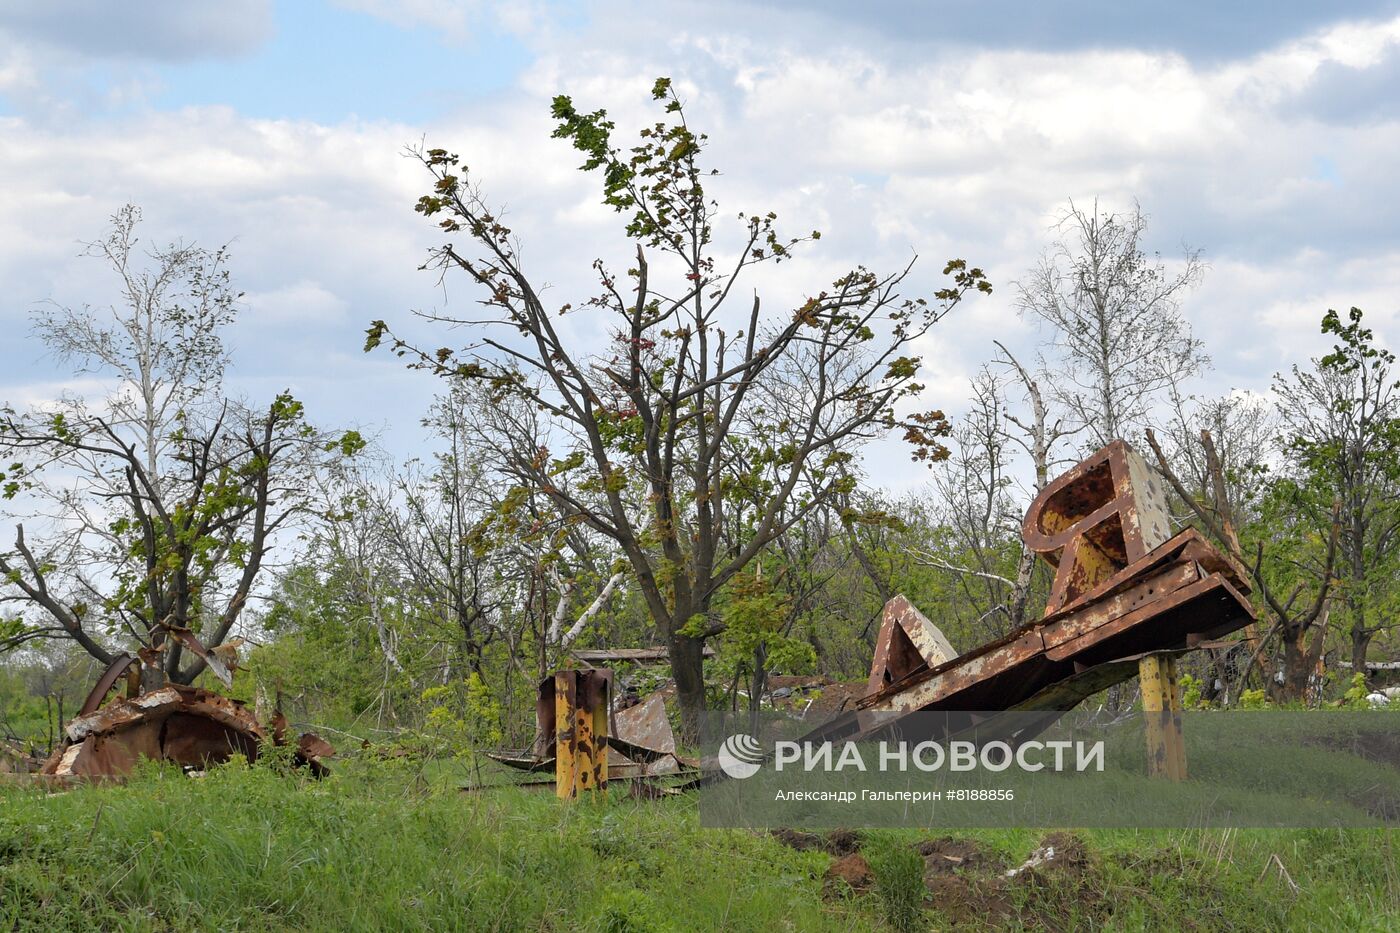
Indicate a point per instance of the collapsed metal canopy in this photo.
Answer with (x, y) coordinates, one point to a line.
(640, 740)
(189, 726)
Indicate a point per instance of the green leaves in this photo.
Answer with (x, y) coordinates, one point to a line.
(12, 632)
(285, 408)
(374, 335)
(1357, 346)
(964, 279)
(349, 444)
(924, 432)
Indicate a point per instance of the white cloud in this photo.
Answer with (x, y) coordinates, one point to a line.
(888, 153)
(300, 303)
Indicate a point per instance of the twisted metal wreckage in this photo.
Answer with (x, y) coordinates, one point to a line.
(1128, 598)
(190, 726)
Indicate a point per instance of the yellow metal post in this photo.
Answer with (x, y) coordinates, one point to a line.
(565, 770)
(1161, 704)
(580, 732)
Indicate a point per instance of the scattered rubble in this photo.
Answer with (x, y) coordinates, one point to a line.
(15, 761)
(1057, 887)
(1058, 850)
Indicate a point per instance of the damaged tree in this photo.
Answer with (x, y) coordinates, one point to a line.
(692, 407)
(164, 497)
(1301, 626)
(1342, 430)
(1115, 316)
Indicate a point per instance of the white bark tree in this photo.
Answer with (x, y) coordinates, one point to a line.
(1114, 316)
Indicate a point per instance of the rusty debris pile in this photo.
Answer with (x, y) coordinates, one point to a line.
(1125, 591)
(1128, 597)
(190, 726)
(587, 739)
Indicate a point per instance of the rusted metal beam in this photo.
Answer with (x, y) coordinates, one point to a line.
(907, 642)
(639, 741)
(1161, 704)
(1107, 512)
(1124, 588)
(121, 664)
(634, 655)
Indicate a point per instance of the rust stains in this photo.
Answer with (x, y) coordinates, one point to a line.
(189, 726)
(1124, 587)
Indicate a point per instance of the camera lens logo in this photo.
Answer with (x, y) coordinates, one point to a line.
(740, 756)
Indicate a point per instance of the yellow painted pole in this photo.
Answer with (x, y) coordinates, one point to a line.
(580, 732)
(1161, 704)
(565, 763)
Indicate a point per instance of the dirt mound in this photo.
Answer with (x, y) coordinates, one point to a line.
(1064, 852)
(946, 854)
(796, 839)
(847, 876)
(842, 842)
(837, 698)
(1057, 887)
(815, 697)
(838, 842)
(962, 896)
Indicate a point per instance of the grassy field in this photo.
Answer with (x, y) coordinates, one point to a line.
(396, 846)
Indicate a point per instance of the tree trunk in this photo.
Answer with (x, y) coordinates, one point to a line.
(1299, 660)
(1360, 644)
(1294, 669)
(688, 668)
(1360, 634)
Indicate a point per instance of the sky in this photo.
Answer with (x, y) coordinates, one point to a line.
(1262, 134)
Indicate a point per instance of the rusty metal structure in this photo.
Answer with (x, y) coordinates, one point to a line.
(190, 726)
(1128, 597)
(907, 642)
(587, 739)
(582, 700)
(1125, 590)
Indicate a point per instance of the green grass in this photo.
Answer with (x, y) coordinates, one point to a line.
(394, 846)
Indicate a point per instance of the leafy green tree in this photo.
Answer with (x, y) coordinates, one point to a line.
(692, 400)
(758, 636)
(1342, 437)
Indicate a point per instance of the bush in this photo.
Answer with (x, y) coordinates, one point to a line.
(1253, 699)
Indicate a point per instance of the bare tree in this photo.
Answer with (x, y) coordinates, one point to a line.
(977, 508)
(159, 504)
(670, 407)
(1037, 436)
(1115, 318)
(1244, 432)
